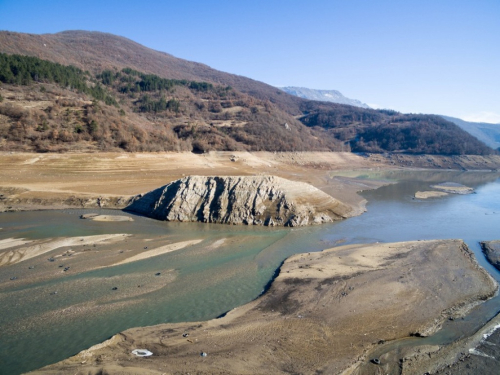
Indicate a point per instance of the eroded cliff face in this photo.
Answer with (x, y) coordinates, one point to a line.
(258, 200)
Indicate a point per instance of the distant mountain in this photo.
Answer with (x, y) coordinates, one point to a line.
(333, 96)
(487, 133)
(81, 90)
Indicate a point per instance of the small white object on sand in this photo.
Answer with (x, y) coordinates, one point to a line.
(141, 352)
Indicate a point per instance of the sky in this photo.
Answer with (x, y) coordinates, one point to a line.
(414, 56)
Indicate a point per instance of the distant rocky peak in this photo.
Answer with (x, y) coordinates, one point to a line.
(333, 96)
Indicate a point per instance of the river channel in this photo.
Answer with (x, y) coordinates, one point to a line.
(230, 266)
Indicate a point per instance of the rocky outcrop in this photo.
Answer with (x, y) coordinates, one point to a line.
(491, 250)
(333, 96)
(258, 200)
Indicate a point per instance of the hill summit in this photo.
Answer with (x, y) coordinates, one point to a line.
(92, 91)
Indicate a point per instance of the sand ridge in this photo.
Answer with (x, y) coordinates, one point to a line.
(12, 242)
(430, 194)
(159, 251)
(40, 247)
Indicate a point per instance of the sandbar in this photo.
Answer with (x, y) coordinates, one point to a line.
(323, 313)
(12, 242)
(430, 194)
(159, 251)
(39, 247)
(106, 218)
(453, 188)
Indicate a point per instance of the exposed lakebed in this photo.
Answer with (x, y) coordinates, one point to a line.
(229, 267)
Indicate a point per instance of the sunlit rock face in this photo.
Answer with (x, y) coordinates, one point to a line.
(251, 200)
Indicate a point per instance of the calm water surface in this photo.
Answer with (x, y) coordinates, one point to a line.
(210, 283)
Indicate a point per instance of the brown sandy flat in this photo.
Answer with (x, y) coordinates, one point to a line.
(430, 194)
(15, 254)
(40, 181)
(106, 218)
(323, 314)
(34, 181)
(453, 188)
(159, 251)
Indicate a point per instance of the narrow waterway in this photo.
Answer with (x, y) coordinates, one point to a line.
(36, 329)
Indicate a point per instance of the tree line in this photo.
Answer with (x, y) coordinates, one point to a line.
(24, 70)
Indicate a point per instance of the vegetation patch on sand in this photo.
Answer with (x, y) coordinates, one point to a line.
(322, 314)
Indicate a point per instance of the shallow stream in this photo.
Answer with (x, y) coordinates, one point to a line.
(211, 280)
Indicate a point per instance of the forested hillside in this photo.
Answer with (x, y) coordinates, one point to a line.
(46, 106)
(96, 91)
(369, 130)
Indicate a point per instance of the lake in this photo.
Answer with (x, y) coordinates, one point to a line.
(231, 266)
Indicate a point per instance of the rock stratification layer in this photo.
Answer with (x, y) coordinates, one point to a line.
(259, 200)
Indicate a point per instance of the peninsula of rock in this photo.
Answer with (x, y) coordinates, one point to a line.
(251, 200)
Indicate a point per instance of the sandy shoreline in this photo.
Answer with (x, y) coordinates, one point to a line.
(323, 313)
(109, 180)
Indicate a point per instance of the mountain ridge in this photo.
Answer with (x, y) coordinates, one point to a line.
(486, 132)
(236, 113)
(333, 96)
(80, 48)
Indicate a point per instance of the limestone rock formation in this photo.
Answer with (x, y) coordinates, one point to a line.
(258, 200)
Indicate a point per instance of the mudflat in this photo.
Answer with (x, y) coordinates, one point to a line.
(324, 313)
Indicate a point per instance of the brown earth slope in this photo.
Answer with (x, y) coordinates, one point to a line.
(269, 120)
(99, 51)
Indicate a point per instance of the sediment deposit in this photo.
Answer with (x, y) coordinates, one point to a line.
(257, 200)
(429, 194)
(453, 188)
(323, 314)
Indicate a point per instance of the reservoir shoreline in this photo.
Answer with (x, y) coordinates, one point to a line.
(295, 167)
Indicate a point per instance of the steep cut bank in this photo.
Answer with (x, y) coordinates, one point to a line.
(491, 250)
(257, 200)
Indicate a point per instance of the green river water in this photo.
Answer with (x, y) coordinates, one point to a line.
(209, 283)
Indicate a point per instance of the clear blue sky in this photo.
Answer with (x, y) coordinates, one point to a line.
(437, 56)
